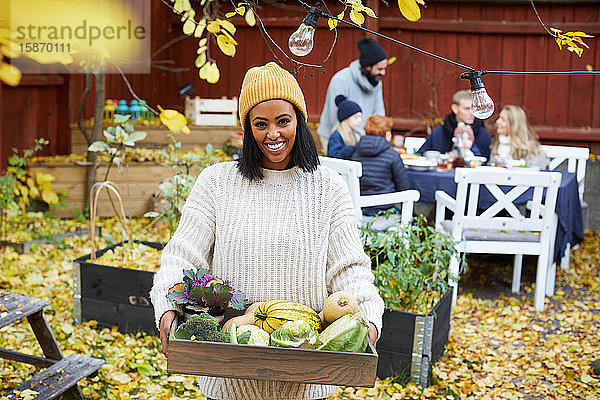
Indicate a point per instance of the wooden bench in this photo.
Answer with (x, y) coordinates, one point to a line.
(62, 373)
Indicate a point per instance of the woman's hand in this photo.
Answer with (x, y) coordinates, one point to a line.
(164, 328)
(372, 334)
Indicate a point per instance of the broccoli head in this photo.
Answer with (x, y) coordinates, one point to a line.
(216, 336)
(197, 324)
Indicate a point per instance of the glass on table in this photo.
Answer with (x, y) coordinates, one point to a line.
(443, 162)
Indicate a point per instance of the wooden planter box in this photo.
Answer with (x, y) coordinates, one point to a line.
(24, 247)
(157, 137)
(413, 342)
(137, 182)
(271, 363)
(113, 296)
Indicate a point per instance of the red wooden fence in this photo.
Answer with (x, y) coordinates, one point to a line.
(487, 35)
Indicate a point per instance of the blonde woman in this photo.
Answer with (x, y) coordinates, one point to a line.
(516, 140)
(344, 135)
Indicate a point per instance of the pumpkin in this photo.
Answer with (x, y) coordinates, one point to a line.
(273, 314)
(339, 304)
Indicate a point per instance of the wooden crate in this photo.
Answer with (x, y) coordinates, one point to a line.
(271, 363)
(156, 137)
(137, 182)
(113, 296)
(212, 112)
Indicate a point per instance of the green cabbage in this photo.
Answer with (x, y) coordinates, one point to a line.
(349, 333)
(258, 337)
(294, 334)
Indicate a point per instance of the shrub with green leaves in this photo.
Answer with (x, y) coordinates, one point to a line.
(117, 139)
(176, 188)
(410, 263)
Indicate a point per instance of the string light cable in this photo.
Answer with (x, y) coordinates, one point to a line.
(481, 103)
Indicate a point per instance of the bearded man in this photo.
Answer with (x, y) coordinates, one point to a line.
(359, 82)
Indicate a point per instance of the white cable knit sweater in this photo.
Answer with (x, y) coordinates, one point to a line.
(290, 236)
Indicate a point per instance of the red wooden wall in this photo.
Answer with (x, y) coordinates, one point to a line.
(487, 35)
(501, 36)
(38, 107)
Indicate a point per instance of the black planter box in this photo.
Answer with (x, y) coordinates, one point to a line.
(24, 247)
(410, 343)
(113, 296)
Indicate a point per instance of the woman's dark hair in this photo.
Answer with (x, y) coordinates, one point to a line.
(304, 153)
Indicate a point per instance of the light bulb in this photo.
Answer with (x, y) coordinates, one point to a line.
(482, 105)
(301, 42)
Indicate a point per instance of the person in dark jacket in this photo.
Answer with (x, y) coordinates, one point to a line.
(345, 136)
(382, 167)
(440, 138)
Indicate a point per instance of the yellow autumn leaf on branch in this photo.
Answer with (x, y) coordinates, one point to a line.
(189, 26)
(202, 72)
(9, 49)
(200, 60)
(249, 17)
(213, 27)
(333, 23)
(200, 28)
(572, 40)
(9, 74)
(410, 9)
(226, 45)
(212, 74)
(182, 5)
(357, 17)
(173, 120)
(228, 26)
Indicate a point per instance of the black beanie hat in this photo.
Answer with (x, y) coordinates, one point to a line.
(371, 52)
(346, 108)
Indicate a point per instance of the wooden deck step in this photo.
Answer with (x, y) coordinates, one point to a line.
(57, 379)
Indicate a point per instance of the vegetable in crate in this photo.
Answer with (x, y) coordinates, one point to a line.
(199, 288)
(294, 334)
(202, 327)
(246, 319)
(271, 315)
(349, 333)
(247, 334)
(339, 304)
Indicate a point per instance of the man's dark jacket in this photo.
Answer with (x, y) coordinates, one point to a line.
(440, 138)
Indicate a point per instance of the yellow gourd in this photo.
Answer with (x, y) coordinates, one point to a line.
(272, 314)
(339, 304)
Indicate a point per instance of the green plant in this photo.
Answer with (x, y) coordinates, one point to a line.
(175, 189)
(200, 288)
(118, 138)
(18, 186)
(410, 263)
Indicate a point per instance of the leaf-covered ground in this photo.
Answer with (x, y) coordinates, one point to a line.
(500, 348)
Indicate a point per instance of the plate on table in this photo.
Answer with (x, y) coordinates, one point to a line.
(420, 164)
(475, 161)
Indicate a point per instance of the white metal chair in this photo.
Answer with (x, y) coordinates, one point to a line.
(484, 231)
(576, 159)
(351, 171)
(576, 162)
(406, 197)
(413, 143)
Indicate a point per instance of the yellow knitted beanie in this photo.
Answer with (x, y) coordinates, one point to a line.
(269, 82)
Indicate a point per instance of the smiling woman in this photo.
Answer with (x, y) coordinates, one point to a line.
(273, 124)
(276, 224)
(273, 112)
